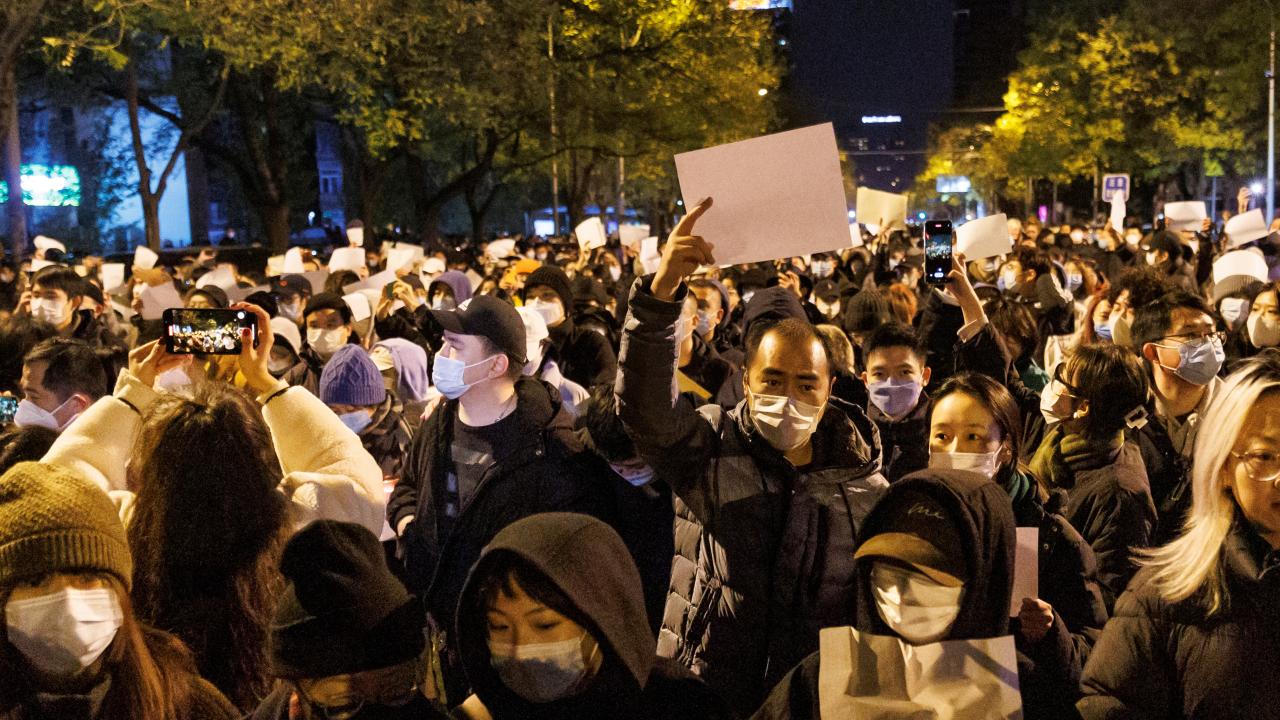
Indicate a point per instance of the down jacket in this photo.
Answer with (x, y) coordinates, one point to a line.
(764, 551)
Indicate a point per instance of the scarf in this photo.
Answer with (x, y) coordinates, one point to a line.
(1061, 455)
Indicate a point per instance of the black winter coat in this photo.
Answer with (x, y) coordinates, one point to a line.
(584, 356)
(549, 470)
(905, 441)
(1166, 660)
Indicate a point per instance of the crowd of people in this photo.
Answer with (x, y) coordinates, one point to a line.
(549, 482)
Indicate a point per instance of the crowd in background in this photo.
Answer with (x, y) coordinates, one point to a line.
(554, 482)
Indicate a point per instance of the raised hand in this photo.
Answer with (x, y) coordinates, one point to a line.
(683, 254)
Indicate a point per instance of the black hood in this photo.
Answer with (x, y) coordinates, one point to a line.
(772, 303)
(587, 561)
(983, 515)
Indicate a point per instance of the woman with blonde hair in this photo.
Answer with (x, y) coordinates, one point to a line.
(1205, 610)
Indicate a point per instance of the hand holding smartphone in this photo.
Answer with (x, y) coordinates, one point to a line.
(211, 331)
(939, 239)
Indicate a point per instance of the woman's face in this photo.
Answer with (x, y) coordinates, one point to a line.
(961, 423)
(1265, 304)
(518, 619)
(1256, 454)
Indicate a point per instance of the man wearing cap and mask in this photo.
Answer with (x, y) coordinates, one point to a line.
(770, 493)
(501, 446)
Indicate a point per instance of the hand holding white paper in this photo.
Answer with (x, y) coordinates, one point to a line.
(398, 258)
(373, 282)
(1246, 227)
(1026, 569)
(590, 234)
(876, 205)
(650, 255)
(1188, 215)
(223, 276)
(869, 676)
(855, 235)
(112, 277)
(776, 196)
(359, 305)
(348, 258)
(158, 298)
(631, 235)
(293, 262)
(144, 257)
(984, 238)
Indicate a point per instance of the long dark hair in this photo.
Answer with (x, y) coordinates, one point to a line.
(207, 532)
(151, 671)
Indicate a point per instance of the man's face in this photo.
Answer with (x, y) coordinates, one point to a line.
(54, 297)
(899, 363)
(326, 319)
(472, 350)
(784, 367)
(709, 304)
(33, 390)
(1186, 325)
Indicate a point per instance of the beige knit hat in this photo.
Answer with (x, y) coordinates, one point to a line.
(53, 520)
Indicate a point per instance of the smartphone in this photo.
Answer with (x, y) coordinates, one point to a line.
(389, 290)
(938, 239)
(8, 408)
(211, 331)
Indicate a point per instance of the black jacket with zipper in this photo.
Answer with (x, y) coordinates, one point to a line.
(547, 470)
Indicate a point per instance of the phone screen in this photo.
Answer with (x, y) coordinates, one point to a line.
(189, 331)
(937, 251)
(8, 408)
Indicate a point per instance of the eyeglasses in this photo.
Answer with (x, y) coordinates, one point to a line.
(1263, 466)
(1186, 338)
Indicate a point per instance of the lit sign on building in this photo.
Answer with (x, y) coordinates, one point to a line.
(954, 184)
(881, 119)
(47, 186)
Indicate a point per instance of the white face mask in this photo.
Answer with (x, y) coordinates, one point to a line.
(290, 310)
(914, 606)
(542, 672)
(1133, 238)
(1263, 331)
(615, 272)
(327, 342)
(551, 311)
(1049, 401)
(985, 464)
(53, 312)
(1233, 311)
(784, 423)
(64, 632)
(279, 367)
(30, 414)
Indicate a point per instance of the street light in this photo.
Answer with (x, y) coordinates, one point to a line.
(762, 92)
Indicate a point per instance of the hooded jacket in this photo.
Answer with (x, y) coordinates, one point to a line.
(548, 470)
(984, 518)
(458, 282)
(584, 355)
(588, 563)
(772, 303)
(764, 551)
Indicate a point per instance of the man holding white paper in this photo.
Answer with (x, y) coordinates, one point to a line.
(753, 579)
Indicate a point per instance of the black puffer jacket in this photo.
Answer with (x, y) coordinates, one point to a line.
(905, 441)
(549, 470)
(587, 563)
(985, 521)
(1169, 660)
(764, 552)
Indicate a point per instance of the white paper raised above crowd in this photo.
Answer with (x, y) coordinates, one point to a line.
(779, 195)
(144, 257)
(1187, 215)
(631, 235)
(875, 206)
(590, 234)
(1246, 227)
(984, 238)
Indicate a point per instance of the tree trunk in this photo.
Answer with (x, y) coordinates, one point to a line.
(16, 209)
(275, 222)
(151, 219)
(150, 201)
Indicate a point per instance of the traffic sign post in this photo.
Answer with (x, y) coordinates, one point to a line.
(1113, 184)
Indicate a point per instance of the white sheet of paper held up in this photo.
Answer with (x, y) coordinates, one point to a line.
(876, 205)
(983, 238)
(1026, 569)
(776, 196)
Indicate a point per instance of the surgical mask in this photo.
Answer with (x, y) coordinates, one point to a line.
(1199, 361)
(30, 414)
(895, 398)
(1120, 328)
(1049, 400)
(1151, 257)
(290, 311)
(636, 476)
(327, 342)
(542, 672)
(53, 312)
(447, 376)
(783, 422)
(550, 310)
(985, 464)
(279, 367)
(1233, 311)
(357, 420)
(822, 268)
(828, 311)
(1103, 331)
(64, 632)
(615, 272)
(704, 323)
(1074, 281)
(443, 302)
(913, 605)
(1263, 330)
(1008, 280)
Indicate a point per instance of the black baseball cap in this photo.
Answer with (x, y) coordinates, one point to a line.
(918, 531)
(292, 285)
(488, 317)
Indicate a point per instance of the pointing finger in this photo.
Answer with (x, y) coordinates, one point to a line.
(685, 227)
